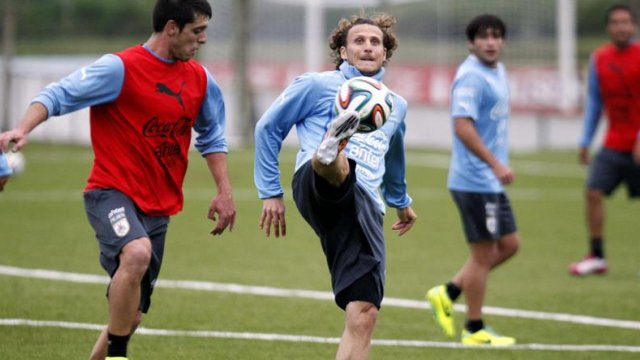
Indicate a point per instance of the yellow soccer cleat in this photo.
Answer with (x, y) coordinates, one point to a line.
(115, 358)
(486, 337)
(442, 309)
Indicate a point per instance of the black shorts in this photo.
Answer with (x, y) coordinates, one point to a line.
(485, 216)
(610, 168)
(117, 221)
(349, 225)
(365, 288)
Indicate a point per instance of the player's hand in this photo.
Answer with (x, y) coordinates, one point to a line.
(273, 214)
(3, 181)
(406, 218)
(636, 152)
(15, 136)
(504, 174)
(225, 209)
(583, 155)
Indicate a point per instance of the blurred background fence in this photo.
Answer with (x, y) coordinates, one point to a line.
(256, 47)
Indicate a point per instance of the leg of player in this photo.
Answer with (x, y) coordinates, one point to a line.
(355, 343)
(472, 277)
(124, 294)
(507, 247)
(335, 139)
(99, 351)
(328, 161)
(593, 262)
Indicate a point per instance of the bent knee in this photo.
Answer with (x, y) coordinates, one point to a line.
(365, 318)
(510, 244)
(137, 253)
(594, 195)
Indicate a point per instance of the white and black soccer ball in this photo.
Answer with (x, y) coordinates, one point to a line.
(16, 161)
(367, 96)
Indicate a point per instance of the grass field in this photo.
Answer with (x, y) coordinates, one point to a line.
(51, 315)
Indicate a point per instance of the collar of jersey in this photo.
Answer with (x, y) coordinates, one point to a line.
(350, 71)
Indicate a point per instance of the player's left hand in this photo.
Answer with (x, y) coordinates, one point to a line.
(406, 218)
(224, 207)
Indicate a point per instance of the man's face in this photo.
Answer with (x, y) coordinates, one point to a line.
(184, 44)
(364, 49)
(620, 28)
(487, 46)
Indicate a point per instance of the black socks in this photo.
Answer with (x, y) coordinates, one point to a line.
(474, 325)
(596, 247)
(117, 345)
(453, 291)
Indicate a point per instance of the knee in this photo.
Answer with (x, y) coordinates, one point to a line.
(136, 255)
(510, 245)
(594, 196)
(365, 319)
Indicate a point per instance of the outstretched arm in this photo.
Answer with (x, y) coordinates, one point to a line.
(96, 83)
(36, 113)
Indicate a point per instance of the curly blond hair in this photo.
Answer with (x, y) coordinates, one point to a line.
(385, 22)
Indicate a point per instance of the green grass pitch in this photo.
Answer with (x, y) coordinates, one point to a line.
(43, 226)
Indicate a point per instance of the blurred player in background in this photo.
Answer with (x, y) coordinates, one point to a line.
(613, 84)
(477, 175)
(336, 190)
(144, 103)
(5, 170)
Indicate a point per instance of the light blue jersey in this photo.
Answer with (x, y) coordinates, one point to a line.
(101, 83)
(481, 93)
(5, 169)
(308, 104)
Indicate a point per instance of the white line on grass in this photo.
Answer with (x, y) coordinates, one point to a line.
(317, 339)
(317, 295)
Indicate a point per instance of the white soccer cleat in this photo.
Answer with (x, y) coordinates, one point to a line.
(335, 139)
(589, 265)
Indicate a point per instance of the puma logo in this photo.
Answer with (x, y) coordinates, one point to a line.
(164, 89)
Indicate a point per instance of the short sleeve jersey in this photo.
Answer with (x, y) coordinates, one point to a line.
(480, 93)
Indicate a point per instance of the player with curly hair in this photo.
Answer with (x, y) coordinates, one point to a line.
(340, 173)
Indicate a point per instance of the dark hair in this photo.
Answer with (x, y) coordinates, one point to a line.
(616, 7)
(180, 11)
(338, 38)
(483, 22)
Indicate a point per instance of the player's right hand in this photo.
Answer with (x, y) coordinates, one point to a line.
(15, 136)
(504, 174)
(583, 156)
(273, 214)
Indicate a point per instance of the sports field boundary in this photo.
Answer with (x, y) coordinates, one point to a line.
(315, 295)
(320, 340)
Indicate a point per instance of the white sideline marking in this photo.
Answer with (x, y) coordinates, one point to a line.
(317, 339)
(316, 295)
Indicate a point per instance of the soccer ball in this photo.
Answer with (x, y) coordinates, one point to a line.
(16, 162)
(369, 98)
